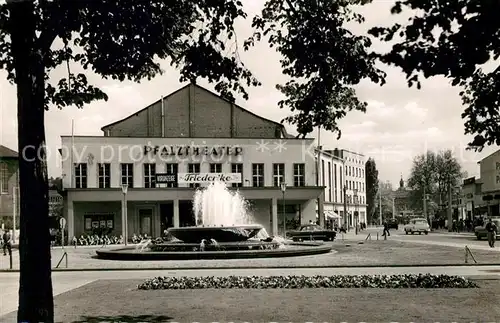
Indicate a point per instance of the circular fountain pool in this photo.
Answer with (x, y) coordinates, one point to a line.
(215, 207)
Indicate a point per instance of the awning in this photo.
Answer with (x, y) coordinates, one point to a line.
(332, 215)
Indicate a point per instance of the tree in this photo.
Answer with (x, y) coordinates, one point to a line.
(321, 56)
(475, 69)
(433, 175)
(372, 188)
(115, 40)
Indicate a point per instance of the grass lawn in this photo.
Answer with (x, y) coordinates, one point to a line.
(120, 301)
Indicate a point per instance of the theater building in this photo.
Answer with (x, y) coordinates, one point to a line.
(145, 168)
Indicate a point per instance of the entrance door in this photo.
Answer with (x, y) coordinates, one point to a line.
(146, 221)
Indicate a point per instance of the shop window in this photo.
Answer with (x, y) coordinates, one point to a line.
(279, 174)
(237, 169)
(149, 175)
(99, 223)
(81, 175)
(195, 169)
(104, 175)
(299, 176)
(258, 175)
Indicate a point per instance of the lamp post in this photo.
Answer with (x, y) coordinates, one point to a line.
(124, 213)
(356, 210)
(283, 189)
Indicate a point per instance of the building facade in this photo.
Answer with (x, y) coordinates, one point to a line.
(9, 183)
(488, 202)
(164, 152)
(342, 173)
(402, 202)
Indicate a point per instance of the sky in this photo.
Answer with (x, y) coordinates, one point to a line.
(399, 124)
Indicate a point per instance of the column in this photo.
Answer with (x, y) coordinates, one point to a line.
(71, 222)
(321, 210)
(275, 216)
(176, 213)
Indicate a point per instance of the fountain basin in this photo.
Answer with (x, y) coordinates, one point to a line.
(218, 233)
(222, 246)
(292, 250)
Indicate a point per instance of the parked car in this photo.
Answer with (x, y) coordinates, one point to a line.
(393, 224)
(480, 230)
(419, 225)
(311, 232)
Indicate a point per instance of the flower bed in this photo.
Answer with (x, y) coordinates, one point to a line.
(339, 281)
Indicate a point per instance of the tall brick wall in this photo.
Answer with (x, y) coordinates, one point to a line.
(195, 112)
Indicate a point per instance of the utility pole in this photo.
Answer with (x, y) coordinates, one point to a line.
(380, 204)
(450, 214)
(345, 207)
(425, 204)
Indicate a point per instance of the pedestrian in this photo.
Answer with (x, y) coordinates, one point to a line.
(491, 229)
(7, 243)
(386, 230)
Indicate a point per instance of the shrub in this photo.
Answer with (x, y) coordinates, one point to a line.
(338, 281)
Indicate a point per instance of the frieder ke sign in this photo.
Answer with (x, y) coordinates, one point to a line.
(202, 178)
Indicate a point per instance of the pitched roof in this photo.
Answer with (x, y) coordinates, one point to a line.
(7, 152)
(283, 129)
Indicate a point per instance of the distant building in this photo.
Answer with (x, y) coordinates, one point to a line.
(402, 203)
(9, 182)
(55, 202)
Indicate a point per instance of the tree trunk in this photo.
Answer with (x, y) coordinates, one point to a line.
(36, 302)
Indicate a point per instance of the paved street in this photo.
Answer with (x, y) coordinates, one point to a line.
(66, 281)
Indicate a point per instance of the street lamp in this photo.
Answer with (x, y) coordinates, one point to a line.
(356, 210)
(124, 213)
(283, 189)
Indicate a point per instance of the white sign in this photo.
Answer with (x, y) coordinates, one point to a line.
(201, 178)
(62, 222)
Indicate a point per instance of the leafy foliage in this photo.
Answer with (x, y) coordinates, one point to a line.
(322, 57)
(436, 173)
(126, 41)
(453, 39)
(372, 187)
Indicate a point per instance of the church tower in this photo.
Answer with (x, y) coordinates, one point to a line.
(401, 183)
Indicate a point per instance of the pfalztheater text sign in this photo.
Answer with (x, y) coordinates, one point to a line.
(200, 178)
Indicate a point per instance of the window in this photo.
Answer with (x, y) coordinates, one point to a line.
(4, 178)
(278, 174)
(149, 175)
(127, 174)
(258, 175)
(104, 175)
(81, 175)
(329, 181)
(237, 168)
(194, 168)
(299, 177)
(215, 168)
(172, 169)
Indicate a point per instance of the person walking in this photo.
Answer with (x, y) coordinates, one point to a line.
(491, 229)
(7, 243)
(386, 230)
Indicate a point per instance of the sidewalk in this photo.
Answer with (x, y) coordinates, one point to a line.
(445, 231)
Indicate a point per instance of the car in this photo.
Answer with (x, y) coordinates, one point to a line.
(481, 233)
(393, 224)
(419, 225)
(311, 232)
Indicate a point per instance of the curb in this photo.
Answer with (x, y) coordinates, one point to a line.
(261, 267)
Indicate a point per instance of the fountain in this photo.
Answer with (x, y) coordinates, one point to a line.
(225, 229)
